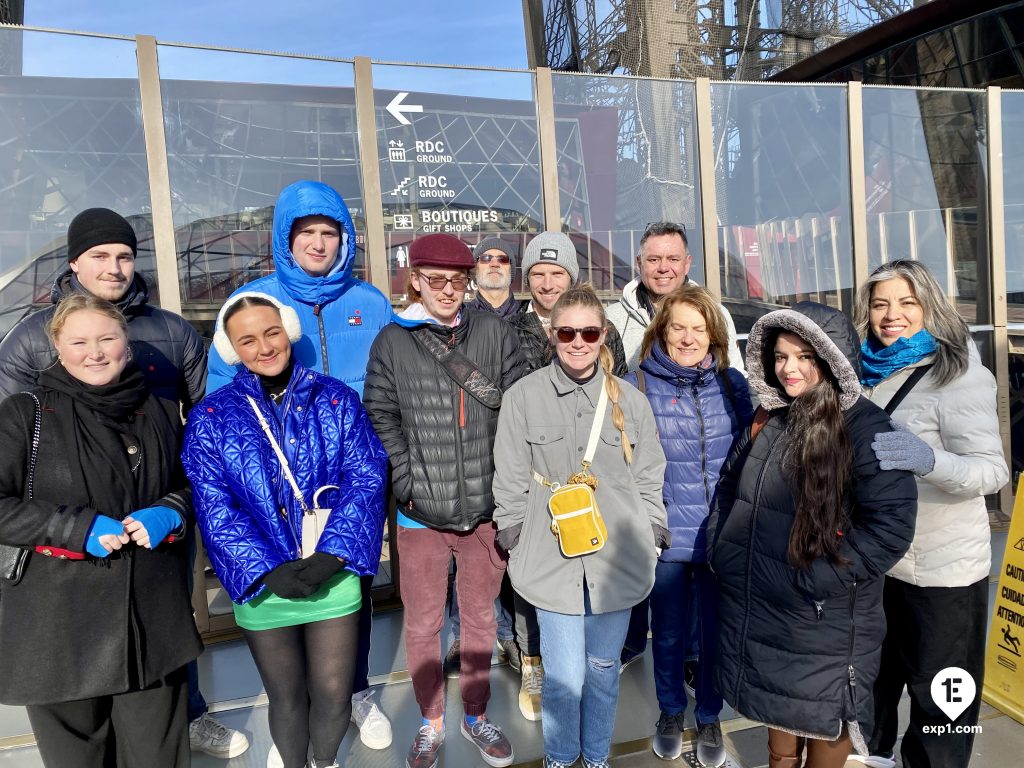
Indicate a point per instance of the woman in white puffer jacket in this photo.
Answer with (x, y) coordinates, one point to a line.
(920, 364)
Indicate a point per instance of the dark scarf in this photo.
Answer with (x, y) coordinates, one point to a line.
(646, 302)
(99, 423)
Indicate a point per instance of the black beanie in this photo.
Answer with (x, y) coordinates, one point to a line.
(98, 226)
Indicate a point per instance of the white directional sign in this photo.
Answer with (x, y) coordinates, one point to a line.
(396, 108)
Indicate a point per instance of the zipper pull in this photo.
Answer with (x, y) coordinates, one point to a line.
(316, 310)
(284, 513)
(819, 612)
(853, 677)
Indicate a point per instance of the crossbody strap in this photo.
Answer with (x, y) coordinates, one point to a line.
(459, 368)
(908, 384)
(280, 454)
(595, 429)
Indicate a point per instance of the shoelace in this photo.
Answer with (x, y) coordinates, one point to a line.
(214, 729)
(666, 720)
(716, 733)
(426, 738)
(534, 680)
(486, 730)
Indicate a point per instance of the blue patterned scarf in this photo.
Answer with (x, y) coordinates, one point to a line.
(879, 362)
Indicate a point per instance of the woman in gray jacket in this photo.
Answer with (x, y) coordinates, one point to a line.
(583, 602)
(920, 364)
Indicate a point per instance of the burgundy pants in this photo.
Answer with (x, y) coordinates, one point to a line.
(425, 554)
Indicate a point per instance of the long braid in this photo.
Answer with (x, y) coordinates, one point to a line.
(611, 386)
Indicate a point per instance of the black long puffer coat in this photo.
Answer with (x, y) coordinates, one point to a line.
(799, 650)
(440, 439)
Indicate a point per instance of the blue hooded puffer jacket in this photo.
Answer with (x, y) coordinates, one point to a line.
(239, 489)
(340, 314)
(697, 419)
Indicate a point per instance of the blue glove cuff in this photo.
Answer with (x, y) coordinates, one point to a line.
(101, 526)
(159, 522)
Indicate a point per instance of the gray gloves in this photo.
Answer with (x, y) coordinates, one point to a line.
(903, 449)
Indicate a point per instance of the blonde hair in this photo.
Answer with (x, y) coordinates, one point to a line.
(81, 302)
(584, 297)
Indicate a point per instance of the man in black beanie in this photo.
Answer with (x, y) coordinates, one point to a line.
(101, 253)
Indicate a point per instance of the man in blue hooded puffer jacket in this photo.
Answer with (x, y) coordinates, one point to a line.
(314, 245)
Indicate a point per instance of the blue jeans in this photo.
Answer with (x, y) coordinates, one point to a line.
(504, 620)
(581, 682)
(674, 586)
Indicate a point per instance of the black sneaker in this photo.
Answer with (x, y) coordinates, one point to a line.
(453, 660)
(627, 657)
(710, 747)
(508, 652)
(668, 736)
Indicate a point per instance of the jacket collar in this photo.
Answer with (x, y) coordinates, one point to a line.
(67, 283)
(660, 364)
(564, 385)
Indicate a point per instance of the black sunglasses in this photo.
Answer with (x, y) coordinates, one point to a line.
(567, 335)
(501, 258)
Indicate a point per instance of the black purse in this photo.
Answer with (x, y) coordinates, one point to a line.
(14, 559)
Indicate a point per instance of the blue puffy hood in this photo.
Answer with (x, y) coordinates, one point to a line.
(312, 198)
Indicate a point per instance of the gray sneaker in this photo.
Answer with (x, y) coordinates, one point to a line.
(668, 736)
(494, 746)
(710, 747)
(207, 735)
(508, 652)
(424, 749)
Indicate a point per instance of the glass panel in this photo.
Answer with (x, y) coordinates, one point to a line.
(234, 142)
(70, 138)
(453, 158)
(627, 157)
(783, 176)
(1013, 197)
(925, 187)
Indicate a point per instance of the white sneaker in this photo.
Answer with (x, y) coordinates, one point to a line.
(207, 735)
(873, 761)
(274, 758)
(374, 726)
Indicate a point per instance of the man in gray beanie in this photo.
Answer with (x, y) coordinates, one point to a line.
(495, 261)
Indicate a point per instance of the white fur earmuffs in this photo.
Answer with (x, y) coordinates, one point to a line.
(221, 342)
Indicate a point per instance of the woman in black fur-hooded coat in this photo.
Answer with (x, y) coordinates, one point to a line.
(803, 528)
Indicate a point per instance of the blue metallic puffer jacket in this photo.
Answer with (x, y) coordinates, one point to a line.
(697, 422)
(340, 314)
(239, 489)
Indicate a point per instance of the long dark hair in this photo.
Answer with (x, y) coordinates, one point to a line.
(818, 466)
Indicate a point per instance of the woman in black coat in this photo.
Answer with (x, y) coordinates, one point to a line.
(97, 630)
(804, 526)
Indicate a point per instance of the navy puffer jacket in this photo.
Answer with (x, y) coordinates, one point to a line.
(698, 419)
(239, 489)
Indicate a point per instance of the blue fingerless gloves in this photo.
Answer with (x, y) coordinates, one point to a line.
(159, 522)
(102, 526)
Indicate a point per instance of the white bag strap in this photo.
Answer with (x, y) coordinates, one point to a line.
(280, 455)
(595, 433)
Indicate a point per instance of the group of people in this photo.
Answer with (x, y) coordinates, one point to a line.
(566, 479)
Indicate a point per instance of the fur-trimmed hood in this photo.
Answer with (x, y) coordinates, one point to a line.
(826, 329)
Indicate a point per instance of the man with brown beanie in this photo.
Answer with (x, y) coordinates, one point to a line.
(495, 261)
(433, 389)
(101, 253)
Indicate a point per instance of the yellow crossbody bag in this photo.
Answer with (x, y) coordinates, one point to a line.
(575, 518)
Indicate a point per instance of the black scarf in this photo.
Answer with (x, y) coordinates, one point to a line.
(100, 425)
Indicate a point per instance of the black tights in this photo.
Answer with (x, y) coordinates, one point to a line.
(307, 671)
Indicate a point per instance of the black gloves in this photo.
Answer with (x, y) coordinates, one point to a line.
(284, 581)
(318, 568)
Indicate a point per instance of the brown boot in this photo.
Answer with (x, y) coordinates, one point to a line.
(532, 686)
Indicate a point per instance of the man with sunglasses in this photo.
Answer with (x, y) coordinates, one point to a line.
(433, 389)
(495, 261)
(663, 264)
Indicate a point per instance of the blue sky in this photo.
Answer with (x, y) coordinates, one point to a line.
(468, 32)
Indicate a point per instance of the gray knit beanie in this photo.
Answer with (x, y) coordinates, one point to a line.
(496, 243)
(552, 248)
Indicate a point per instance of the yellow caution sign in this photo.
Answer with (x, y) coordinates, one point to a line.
(1004, 657)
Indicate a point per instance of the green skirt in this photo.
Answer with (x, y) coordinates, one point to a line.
(339, 596)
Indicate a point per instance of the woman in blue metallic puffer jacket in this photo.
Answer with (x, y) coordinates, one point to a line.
(291, 609)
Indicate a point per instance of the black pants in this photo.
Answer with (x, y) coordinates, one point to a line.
(138, 729)
(929, 629)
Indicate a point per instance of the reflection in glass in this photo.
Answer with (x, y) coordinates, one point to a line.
(68, 143)
(627, 156)
(925, 186)
(231, 149)
(782, 173)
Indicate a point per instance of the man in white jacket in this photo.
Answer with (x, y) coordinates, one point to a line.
(664, 265)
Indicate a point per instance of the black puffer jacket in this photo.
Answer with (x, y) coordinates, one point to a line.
(799, 649)
(439, 438)
(537, 349)
(166, 348)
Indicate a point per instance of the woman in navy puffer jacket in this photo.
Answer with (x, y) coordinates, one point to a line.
(292, 609)
(701, 405)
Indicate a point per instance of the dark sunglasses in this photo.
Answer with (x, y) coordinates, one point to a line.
(567, 335)
(487, 258)
(437, 282)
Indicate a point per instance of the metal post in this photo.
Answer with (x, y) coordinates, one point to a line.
(708, 189)
(545, 100)
(164, 247)
(373, 206)
(858, 199)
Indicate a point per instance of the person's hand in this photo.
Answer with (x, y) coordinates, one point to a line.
(902, 449)
(318, 568)
(284, 581)
(148, 527)
(106, 535)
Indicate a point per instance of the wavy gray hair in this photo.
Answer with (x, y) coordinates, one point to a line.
(941, 318)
